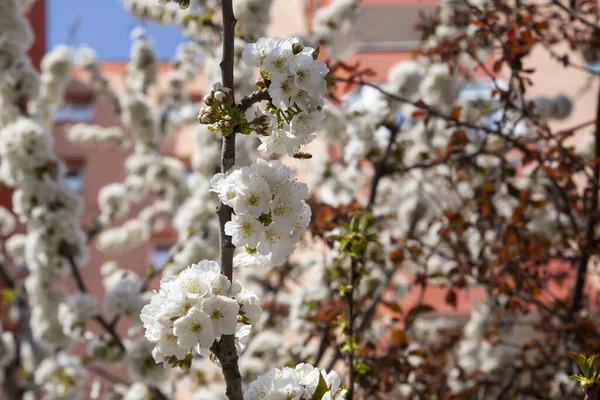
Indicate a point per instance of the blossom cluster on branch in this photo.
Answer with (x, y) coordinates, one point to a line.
(271, 213)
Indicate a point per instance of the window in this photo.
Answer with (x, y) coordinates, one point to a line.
(160, 254)
(74, 112)
(381, 28)
(74, 175)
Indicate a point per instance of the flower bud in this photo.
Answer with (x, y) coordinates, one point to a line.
(228, 100)
(209, 99)
(297, 46)
(219, 96)
(207, 116)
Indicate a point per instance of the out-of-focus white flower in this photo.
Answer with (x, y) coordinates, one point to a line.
(98, 136)
(8, 222)
(62, 377)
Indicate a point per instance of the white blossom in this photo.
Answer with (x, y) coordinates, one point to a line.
(193, 309)
(295, 383)
(270, 208)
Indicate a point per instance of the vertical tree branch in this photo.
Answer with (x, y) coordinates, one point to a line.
(225, 349)
(65, 250)
(6, 277)
(380, 166)
(587, 247)
(350, 330)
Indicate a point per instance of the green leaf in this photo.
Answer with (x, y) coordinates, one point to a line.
(578, 378)
(321, 389)
(581, 362)
(9, 295)
(591, 364)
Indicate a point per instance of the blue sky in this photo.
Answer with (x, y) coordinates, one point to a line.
(104, 25)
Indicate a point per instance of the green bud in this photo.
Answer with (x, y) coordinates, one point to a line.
(297, 46)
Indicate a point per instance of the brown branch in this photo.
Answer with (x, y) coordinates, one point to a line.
(592, 393)
(350, 329)
(67, 254)
(254, 97)
(6, 276)
(381, 165)
(435, 113)
(576, 16)
(225, 349)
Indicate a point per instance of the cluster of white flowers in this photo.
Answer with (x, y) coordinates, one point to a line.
(167, 13)
(439, 87)
(253, 17)
(297, 84)
(112, 200)
(297, 383)
(140, 119)
(87, 59)
(141, 364)
(131, 234)
(8, 222)
(25, 147)
(404, 78)
(50, 210)
(584, 147)
(475, 353)
(73, 313)
(194, 309)
(271, 213)
(124, 293)
(56, 69)
(18, 78)
(335, 18)
(103, 348)
(557, 107)
(147, 173)
(98, 136)
(176, 108)
(62, 376)
(15, 248)
(142, 69)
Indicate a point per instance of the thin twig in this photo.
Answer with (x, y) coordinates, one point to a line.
(65, 250)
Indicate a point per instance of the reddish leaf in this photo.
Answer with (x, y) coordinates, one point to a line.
(455, 113)
(498, 65)
(451, 298)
